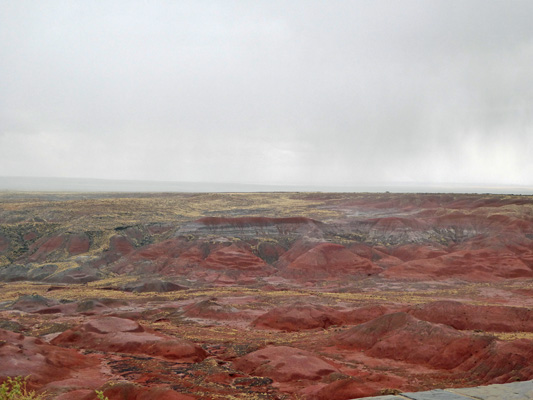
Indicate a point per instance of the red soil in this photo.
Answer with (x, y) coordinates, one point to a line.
(367, 313)
(128, 391)
(387, 293)
(285, 364)
(417, 251)
(299, 316)
(234, 257)
(120, 245)
(211, 309)
(476, 265)
(78, 244)
(471, 317)
(365, 385)
(46, 246)
(402, 337)
(329, 260)
(126, 336)
(56, 247)
(44, 363)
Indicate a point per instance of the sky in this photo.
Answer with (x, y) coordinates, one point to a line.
(298, 92)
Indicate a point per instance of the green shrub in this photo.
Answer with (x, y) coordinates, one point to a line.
(100, 395)
(15, 389)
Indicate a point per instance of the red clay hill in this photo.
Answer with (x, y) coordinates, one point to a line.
(264, 295)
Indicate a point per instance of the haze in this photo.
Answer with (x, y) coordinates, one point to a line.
(337, 93)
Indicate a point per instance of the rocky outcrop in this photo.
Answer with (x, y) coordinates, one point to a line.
(470, 317)
(131, 391)
(299, 316)
(235, 257)
(127, 336)
(329, 260)
(402, 337)
(152, 285)
(476, 265)
(251, 227)
(284, 364)
(211, 309)
(46, 364)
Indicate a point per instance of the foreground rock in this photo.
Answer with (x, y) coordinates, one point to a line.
(366, 384)
(136, 392)
(402, 337)
(299, 316)
(49, 367)
(126, 336)
(285, 364)
(509, 391)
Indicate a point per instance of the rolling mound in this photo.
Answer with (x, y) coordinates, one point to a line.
(402, 337)
(329, 260)
(285, 364)
(49, 367)
(299, 316)
(127, 336)
(264, 295)
(471, 317)
(475, 265)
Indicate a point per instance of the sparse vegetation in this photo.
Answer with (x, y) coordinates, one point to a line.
(100, 395)
(112, 233)
(14, 388)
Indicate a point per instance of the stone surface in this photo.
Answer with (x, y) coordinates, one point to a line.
(437, 394)
(509, 391)
(387, 397)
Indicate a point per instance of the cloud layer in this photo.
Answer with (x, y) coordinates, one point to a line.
(300, 92)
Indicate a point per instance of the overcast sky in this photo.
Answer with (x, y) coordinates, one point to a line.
(269, 92)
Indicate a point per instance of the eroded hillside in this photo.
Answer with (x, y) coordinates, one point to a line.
(267, 295)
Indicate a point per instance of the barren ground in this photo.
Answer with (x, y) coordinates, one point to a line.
(264, 295)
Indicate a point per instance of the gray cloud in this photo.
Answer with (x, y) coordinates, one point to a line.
(268, 92)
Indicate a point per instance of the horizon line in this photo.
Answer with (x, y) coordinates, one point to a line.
(73, 184)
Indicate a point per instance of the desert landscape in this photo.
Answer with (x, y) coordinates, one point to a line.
(264, 295)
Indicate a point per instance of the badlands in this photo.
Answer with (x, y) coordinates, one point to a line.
(264, 295)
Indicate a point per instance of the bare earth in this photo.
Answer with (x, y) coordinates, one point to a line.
(264, 295)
